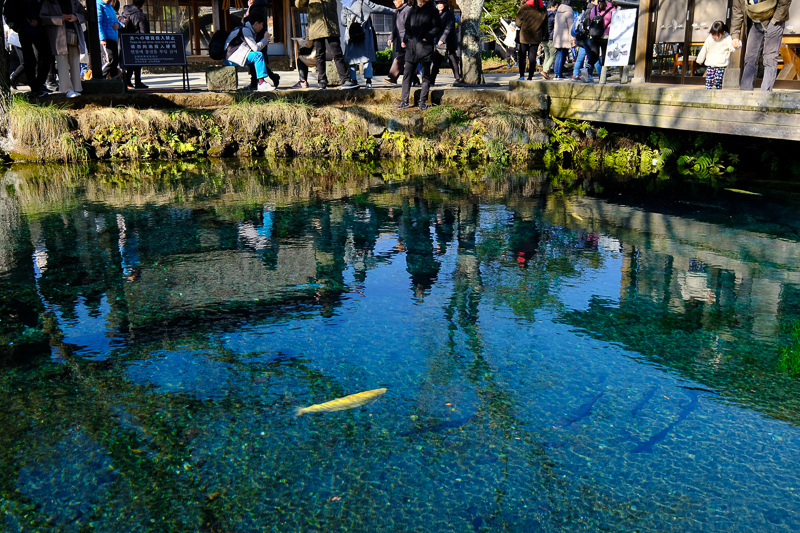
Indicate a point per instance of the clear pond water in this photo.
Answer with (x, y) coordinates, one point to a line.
(555, 360)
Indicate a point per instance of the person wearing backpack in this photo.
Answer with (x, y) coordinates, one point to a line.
(323, 30)
(133, 20)
(359, 36)
(599, 26)
(242, 49)
(768, 19)
(580, 37)
(531, 18)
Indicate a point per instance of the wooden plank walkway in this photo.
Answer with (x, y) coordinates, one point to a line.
(755, 114)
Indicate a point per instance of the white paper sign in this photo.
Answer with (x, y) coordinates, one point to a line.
(620, 38)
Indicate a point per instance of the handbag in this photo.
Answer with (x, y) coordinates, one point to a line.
(762, 10)
(72, 37)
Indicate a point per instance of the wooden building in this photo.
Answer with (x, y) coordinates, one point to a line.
(670, 34)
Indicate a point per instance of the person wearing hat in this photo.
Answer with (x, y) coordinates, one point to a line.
(448, 42)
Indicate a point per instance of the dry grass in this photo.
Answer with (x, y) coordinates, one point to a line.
(45, 131)
(507, 123)
(253, 116)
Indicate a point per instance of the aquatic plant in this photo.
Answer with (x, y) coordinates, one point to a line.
(789, 355)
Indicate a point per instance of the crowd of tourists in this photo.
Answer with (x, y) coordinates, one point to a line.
(47, 40)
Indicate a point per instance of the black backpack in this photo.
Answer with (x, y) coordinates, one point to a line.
(356, 32)
(597, 25)
(125, 24)
(216, 46)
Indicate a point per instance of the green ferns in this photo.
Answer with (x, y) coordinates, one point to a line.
(789, 356)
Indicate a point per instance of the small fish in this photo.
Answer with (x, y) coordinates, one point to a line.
(340, 404)
(740, 191)
(579, 414)
(576, 215)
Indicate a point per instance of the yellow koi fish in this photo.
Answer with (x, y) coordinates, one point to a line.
(740, 191)
(340, 404)
(576, 215)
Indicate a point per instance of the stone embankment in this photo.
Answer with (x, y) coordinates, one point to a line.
(463, 125)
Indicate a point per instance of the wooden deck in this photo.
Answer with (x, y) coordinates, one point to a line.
(754, 114)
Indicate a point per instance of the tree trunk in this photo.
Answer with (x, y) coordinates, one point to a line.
(471, 13)
(5, 76)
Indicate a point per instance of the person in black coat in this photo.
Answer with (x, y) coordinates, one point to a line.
(22, 16)
(423, 27)
(260, 6)
(137, 23)
(448, 42)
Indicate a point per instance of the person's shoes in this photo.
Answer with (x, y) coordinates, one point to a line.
(559, 78)
(72, 94)
(545, 75)
(423, 106)
(350, 84)
(39, 93)
(51, 86)
(522, 78)
(265, 86)
(515, 64)
(300, 85)
(576, 78)
(323, 87)
(403, 105)
(390, 80)
(508, 65)
(368, 83)
(276, 79)
(140, 85)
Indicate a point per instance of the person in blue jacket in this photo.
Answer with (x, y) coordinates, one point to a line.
(108, 26)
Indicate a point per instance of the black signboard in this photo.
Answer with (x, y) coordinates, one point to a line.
(154, 49)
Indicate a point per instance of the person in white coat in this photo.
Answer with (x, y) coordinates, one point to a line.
(716, 54)
(510, 42)
(242, 49)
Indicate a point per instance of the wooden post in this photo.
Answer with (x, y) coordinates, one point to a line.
(94, 38)
(643, 52)
(216, 14)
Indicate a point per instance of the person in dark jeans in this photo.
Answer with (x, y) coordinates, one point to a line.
(22, 16)
(109, 27)
(137, 23)
(323, 30)
(423, 27)
(260, 6)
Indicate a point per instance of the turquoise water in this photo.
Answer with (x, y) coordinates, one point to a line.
(555, 360)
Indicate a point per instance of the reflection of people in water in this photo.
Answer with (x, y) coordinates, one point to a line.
(524, 240)
(415, 235)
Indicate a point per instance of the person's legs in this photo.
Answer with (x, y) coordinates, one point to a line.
(549, 56)
(437, 63)
(559, 62)
(710, 71)
(353, 72)
(426, 83)
(111, 69)
(367, 71)
(755, 42)
(21, 54)
(322, 77)
(44, 59)
(772, 44)
(407, 74)
(64, 79)
(579, 61)
(74, 58)
(523, 54)
(532, 51)
(453, 54)
(338, 56)
(257, 60)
